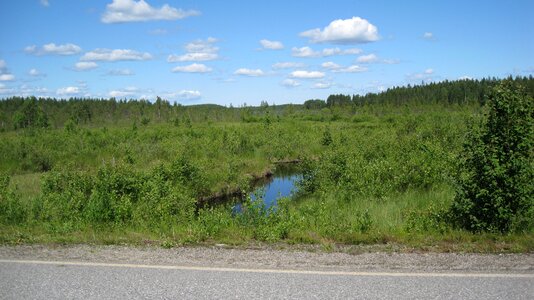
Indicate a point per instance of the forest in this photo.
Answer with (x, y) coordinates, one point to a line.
(441, 166)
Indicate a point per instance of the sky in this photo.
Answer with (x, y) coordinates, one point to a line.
(245, 52)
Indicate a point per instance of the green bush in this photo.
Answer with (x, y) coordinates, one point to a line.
(11, 209)
(496, 181)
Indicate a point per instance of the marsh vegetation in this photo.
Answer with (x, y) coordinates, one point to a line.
(396, 167)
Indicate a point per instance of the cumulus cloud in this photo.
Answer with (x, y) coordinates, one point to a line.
(53, 49)
(125, 92)
(307, 74)
(36, 73)
(193, 68)
(120, 72)
(272, 45)
(199, 50)
(69, 90)
(309, 52)
(288, 65)
(330, 65)
(304, 52)
(349, 31)
(290, 83)
(4, 89)
(192, 57)
(337, 51)
(121, 11)
(85, 66)
(121, 94)
(188, 95)
(7, 77)
(115, 55)
(366, 59)
(426, 75)
(204, 46)
(351, 69)
(391, 61)
(249, 72)
(322, 85)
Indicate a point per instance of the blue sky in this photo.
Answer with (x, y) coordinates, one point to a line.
(236, 52)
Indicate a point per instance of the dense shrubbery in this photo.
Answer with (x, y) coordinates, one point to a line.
(371, 173)
(496, 184)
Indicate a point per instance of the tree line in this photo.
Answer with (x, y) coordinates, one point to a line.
(22, 112)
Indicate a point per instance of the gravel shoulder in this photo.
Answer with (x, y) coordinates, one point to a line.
(269, 257)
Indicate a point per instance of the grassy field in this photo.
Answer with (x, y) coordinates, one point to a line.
(374, 175)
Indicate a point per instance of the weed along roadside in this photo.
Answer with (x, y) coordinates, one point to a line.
(388, 169)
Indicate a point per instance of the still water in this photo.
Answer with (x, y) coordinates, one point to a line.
(279, 186)
(283, 183)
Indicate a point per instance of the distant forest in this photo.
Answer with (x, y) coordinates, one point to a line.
(24, 112)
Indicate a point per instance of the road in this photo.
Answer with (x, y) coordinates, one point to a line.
(26, 279)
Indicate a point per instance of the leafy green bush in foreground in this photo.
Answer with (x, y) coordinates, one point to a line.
(496, 187)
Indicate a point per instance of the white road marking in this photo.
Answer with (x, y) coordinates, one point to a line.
(271, 271)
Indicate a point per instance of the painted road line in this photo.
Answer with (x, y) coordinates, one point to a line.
(267, 271)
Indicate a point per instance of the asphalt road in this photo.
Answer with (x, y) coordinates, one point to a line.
(26, 279)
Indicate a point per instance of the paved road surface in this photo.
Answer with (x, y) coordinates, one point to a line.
(27, 279)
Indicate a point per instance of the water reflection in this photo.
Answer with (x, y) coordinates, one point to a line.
(282, 184)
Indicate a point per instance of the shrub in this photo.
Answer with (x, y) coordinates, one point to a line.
(496, 180)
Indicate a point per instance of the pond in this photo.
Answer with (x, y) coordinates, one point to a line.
(283, 183)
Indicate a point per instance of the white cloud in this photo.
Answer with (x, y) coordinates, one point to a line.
(53, 49)
(426, 75)
(304, 52)
(121, 94)
(351, 69)
(290, 83)
(348, 31)
(192, 57)
(322, 85)
(307, 74)
(309, 52)
(391, 61)
(465, 77)
(69, 90)
(36, 73)
(199, 50)
(337, 51)
(45, 3)
(115, 55)
(202, 46)
(272, 45)
(193, 68)
(330, 65)
(366, 59)
(4, 89)
(121, 72)
(249, 72)
(85, 66)
(125, 92)
(288, 65)
(120, 11)
(7, 77)
(428, 36)
(188, 95)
